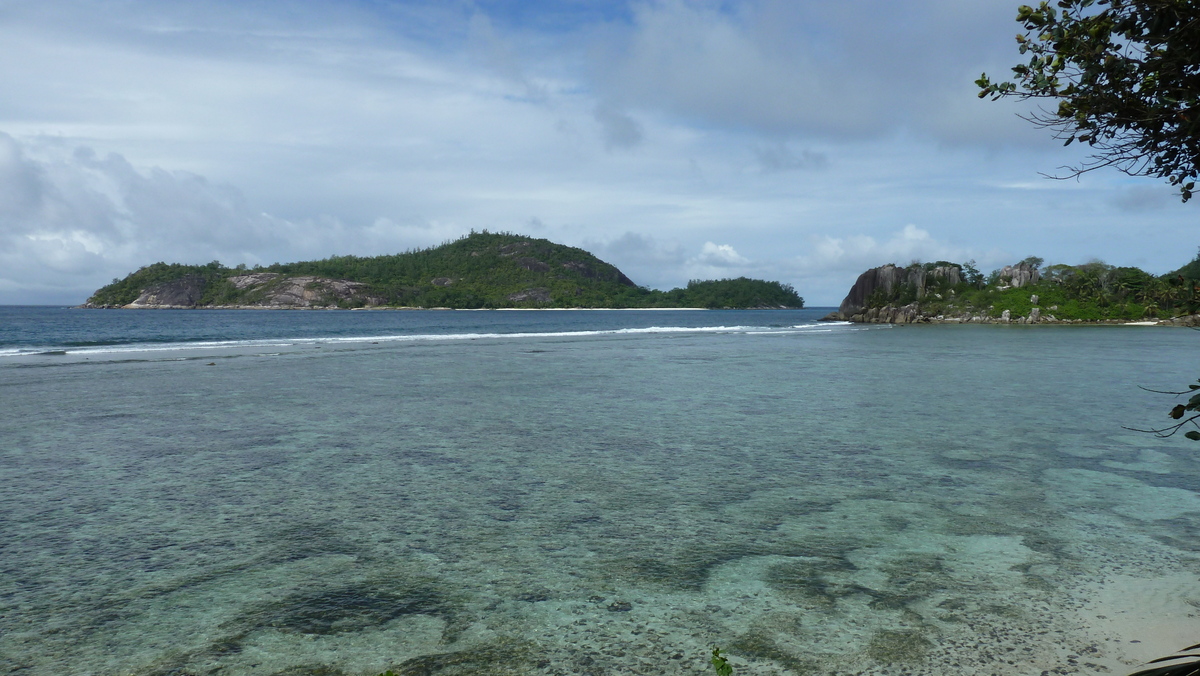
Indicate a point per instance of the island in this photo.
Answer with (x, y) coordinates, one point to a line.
(1024, 293)
(482, 270)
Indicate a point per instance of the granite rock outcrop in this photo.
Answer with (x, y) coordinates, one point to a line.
(889, 279)
(1021, 274)
(183, 292)
(918, 294)
(267, 290)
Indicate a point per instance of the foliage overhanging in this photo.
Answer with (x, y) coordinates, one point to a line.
(1126, 76)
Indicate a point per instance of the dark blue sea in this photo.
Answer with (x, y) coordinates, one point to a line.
(588, 492)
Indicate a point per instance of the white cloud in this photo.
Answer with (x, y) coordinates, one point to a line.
(860, 252)
(85, 219)
(840, 70)
(70, 221)
(721, 256)
(721, 261)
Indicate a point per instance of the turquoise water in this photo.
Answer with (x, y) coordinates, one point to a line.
(581, 493)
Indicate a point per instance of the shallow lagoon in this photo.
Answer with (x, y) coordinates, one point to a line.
(822, 499)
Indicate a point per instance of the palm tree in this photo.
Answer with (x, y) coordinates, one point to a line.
(1151, 292)
(1186, 662)
(1086, 281)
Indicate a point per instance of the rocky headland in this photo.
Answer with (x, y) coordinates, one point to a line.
(947, 293)
(262, 290)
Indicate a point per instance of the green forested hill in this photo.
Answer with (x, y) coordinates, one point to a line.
(481, 270)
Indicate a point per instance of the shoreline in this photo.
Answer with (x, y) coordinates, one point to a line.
(910, 314)
(380, 308)
(1137, 619)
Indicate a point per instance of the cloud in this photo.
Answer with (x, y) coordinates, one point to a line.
(862, 251)
(617, 128)
(830, 70)
(832, 263)
(1141, 198)
(722, 261)
(694, 60)
(86, 218)
(646, 260)
(798, 133)
(71, 220)
(779, 157)
(720, 256)
(498, 55)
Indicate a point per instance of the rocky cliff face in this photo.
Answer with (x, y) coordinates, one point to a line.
(302, 292)
(259, 290)
(890, 279)
(1021, 274)
(182, 292)
(920, 294)
(884, 295)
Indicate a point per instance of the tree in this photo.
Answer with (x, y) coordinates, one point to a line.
(1126, 77)
(972, 275)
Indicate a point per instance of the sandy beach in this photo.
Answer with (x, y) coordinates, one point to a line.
(1134, 620)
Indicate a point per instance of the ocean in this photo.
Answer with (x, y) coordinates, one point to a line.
(588, 492)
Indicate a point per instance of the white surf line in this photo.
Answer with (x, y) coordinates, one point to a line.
(290, 342)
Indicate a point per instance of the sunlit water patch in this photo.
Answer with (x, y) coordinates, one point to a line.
(928, 500)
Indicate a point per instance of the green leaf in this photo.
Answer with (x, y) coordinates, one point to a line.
(720, 664)
(1077, 56)
(1193, 435)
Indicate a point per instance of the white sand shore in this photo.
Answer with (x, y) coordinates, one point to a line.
(591, 309)
(1134, 620)
(517, 309)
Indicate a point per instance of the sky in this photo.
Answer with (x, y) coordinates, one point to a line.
(802, 141)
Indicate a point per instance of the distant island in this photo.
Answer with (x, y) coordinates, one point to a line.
(480, 271)
(1024, 293)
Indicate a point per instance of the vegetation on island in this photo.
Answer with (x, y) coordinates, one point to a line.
(125, 291)
(1093, 291)
(481, 270)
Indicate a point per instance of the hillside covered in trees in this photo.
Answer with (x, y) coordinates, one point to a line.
(481, 270)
